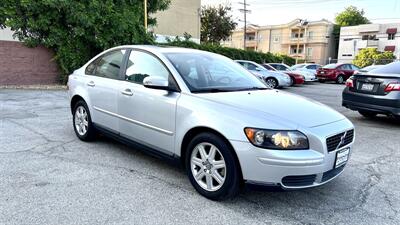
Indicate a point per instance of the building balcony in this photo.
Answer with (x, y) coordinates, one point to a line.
(304, 40)
(367, 44)
(251, 43)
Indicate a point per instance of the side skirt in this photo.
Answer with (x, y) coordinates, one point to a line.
(170, 159)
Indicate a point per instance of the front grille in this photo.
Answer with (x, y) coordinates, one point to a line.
(331, 173)
(298, 181)
(334, 142)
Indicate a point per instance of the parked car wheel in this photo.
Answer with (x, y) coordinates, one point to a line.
(82, 122)
(212, 167)
(292, 81)
(367, 114)
(340, 79)
(271, 82)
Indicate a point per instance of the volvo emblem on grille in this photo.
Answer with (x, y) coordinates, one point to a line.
(341, 140)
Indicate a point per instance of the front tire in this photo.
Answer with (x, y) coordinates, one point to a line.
(212, 167)
(367, 114)
(82, 122)
(340, 79)
(271, 82)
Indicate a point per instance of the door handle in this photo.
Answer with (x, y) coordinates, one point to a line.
(127, 92)
(91, 84)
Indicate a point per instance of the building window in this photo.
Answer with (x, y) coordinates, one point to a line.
(296, 34)
(293, 50)
(310, 34)
(391, 36)
(369, 37)
(309, 52)
(276, 39)
(348, 39)
(347, 55)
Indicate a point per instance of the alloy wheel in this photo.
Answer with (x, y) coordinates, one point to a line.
(208, 166)
(271, 83)
(81, 120)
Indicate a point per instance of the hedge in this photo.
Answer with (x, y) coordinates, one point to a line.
(234, 53)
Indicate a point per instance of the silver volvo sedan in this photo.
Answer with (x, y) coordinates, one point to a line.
(213, 116)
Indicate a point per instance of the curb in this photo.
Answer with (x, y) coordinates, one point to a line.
(34, 87)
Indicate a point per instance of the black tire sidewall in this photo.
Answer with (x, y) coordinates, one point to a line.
(232, 181)
(367, 114)
(90, 133)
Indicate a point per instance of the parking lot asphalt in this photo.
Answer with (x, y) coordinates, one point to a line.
(48, 176)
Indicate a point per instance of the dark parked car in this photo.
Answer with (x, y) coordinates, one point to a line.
(336, 72)
(376, 92)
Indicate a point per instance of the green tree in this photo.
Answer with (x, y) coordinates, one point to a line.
(369, 56)
(77, 30)
(216, 24)
(351, 16)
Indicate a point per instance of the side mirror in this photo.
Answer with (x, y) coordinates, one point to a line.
(156, 83)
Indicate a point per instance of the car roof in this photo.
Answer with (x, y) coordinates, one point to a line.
(162, 49)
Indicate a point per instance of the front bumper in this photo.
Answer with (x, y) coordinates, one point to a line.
(385, 104)
(284, 82)
(273, 167)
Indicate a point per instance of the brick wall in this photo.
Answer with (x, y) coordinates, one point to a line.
(20, 65)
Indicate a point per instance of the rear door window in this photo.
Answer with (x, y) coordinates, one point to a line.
(107, 65)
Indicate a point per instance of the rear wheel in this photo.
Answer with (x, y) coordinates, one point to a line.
(212, 168)
(292, 81)
(82, 122)
(340, 79)
(367, 114)
(271, 82)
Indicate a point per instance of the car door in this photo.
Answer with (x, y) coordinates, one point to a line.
(348, 70)
(147, 116)
(103, 88)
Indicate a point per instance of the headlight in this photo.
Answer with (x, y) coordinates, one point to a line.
(276, 139)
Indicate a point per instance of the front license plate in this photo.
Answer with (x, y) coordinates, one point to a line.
(341, 157)
(367, 87)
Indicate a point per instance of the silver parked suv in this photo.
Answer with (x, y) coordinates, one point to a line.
(215, 117)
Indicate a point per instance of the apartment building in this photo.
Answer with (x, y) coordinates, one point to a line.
(182, 16)
(307, 41)
(383, 37)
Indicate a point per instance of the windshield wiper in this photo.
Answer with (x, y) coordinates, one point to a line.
(213, 90)
(253, 88)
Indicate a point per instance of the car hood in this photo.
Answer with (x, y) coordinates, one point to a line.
(280, 105)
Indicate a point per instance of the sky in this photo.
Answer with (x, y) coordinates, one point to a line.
(272, 12)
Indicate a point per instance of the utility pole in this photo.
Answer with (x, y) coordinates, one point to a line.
(244, 11)
(302, 23)
(145, 15)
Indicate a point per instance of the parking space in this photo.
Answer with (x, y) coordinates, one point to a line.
(48, 176)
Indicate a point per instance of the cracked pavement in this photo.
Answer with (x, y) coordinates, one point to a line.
(48, 176)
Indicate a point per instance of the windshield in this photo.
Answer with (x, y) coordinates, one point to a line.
(280, 67)
(330, 66)
(207, 72)
(298, 66)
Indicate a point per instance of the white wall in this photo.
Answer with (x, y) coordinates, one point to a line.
(6, 35)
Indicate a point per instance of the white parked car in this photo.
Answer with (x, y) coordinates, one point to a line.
(273, 79)
(210, 114)
(309, 76)
(309, 67)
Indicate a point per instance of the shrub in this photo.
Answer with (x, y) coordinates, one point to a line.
(234, 53)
